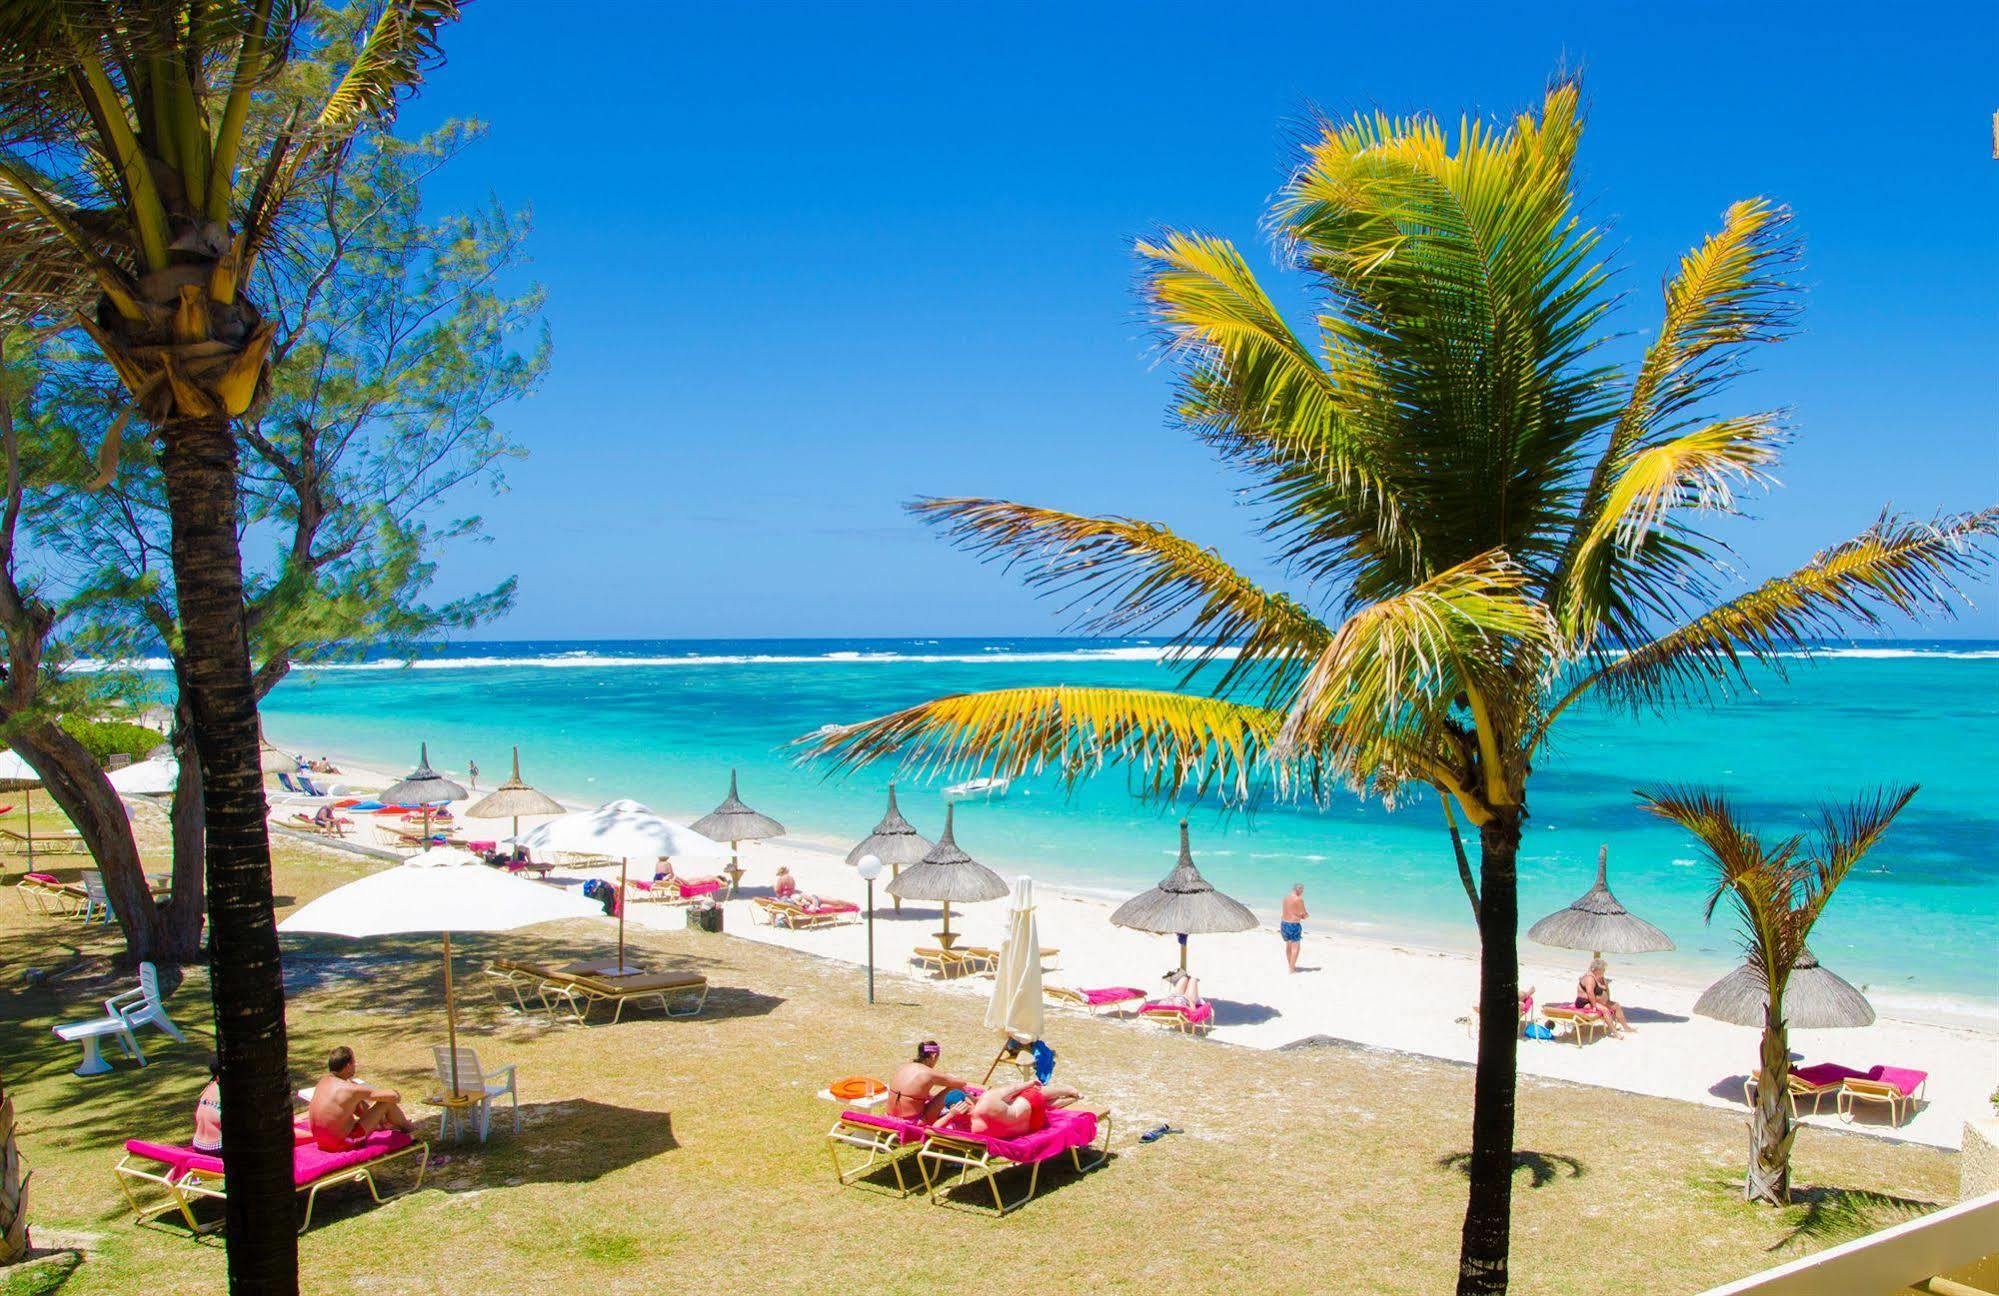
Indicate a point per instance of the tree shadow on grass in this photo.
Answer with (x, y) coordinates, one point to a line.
(572, 1141)
(1822, 1216)
(1057, 1173)
(1543, 1167)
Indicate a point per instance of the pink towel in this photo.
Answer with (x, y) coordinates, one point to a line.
(49, 878)
(1205, 1012)
(1066, 1129)
(1110, 995)
(1821, 1074)
(830, 907)
(1903, 1079)
(308, 1162)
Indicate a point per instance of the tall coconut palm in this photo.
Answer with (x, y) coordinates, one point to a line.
(1779, 891)
(1491, 518)
(133, 192)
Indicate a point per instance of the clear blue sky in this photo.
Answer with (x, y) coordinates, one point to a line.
(807, 262)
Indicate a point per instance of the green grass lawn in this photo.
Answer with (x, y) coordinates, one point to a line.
(690, 1155)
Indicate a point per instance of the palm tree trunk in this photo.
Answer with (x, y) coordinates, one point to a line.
(1489, 1209)
(1770, 1128)
(198, 462)
(14, 1243)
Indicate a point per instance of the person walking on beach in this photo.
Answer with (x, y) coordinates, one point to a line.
(1292, 924)
(472, 772)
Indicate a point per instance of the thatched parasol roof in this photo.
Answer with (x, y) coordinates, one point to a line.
(948, 874)
(1595, 921)
(895, 841)
(422, 786)
(732, 821)
(513, 799)
(1184, 902)
(1814, 999)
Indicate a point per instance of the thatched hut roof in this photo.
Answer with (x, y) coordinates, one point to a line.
(895, 841)
(423, 785)
(1595, 921)
(1184, 902)
(732, 821)
(1814, 998)
(514, 799)
(946, 873)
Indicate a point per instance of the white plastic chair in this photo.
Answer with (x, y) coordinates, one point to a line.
(96, 900)
(478, 1084)
(144, 1006)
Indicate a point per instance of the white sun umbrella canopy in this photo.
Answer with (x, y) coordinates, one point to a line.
(444, 890)
(624, 831)
(18, 773)
(155, 777)
(1016, 1009)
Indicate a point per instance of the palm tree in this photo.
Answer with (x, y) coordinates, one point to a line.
(1779, 891)
(1491, 518)
(133, 192)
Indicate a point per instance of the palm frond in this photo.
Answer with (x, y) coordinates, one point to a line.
(1732, 292)
(1393, 670)
(1897, 566)
(1619, 570)
(1121, 576)
(1759, 880)
(1846, 833)
(400, 48)
(1179, 742)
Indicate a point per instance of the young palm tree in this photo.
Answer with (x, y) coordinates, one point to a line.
(1779, 891)
(1491, 518)
(132, 192)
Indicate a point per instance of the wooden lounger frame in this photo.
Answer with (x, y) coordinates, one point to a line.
(976, 1163)
(1074, 999)
(795, 917)
(59, 843)
(185, 1189)
(573, 996)
(881, 1148)
(1179, 1019)
(1580, 1023)
(949, 963)
(1860, 1087)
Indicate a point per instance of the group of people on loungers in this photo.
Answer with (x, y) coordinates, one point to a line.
(921, 1091)
(342, 1113)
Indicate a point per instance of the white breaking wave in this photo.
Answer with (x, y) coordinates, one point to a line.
(583, 659)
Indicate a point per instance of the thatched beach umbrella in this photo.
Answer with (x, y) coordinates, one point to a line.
(946, 874)
(1185, 904)
(423, 786)
(895, 842)
(1814, 998)
(734, 822)
(1596, 922)
(512, 799)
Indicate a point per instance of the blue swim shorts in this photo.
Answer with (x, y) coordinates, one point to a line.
(1291, 931)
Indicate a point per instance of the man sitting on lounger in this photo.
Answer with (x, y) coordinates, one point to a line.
(343, 1113)
(1016, 1109)
(916, 1091)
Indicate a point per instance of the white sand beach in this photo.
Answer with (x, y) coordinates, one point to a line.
(1378, 993)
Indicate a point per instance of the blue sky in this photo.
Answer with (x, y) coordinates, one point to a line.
(805, 263)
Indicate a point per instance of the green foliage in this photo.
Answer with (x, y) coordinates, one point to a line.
(106, 738)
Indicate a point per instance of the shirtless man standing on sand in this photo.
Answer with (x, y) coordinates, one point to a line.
(1291, 924)
(342, 1113)
(916, 1091)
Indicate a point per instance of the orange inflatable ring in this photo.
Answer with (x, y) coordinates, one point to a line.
(854, 1087)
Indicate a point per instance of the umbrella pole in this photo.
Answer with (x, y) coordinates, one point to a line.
(996, 1060)
(450, 1015)
(894, 874)
(1183, 953)
(623, 898)
(28, 800)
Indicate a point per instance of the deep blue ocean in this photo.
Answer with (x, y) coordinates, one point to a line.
(664, 721)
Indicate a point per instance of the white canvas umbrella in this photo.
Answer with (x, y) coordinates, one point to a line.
(155, 777)
(624, 831)
(15, 771)
(1016, 1009)
(442, 889)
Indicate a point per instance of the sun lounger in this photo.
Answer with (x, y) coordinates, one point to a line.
(43, 893)
(55, 843)
(951, 963)
(953, 1157)
(1898, 1088)
(798, 917)
(883, 1141)
(575, 994)
(676, 890)
(188, 1175)
(1101, 1000)
(1584, 1024)
(1813, 1082)
(1188, 1021)
(990, 957)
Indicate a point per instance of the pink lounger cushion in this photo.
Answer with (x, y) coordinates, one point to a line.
(1206, 1012)
(1821, 1074)
(688, 886)
(830, 907)
(48, 878)
(1902, 1079)
(1111, 994)
(1066, 1129)
(308, 1162)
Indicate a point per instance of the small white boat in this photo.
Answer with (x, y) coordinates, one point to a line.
(978, 789)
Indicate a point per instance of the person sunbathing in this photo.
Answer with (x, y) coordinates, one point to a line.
(1017, 1109)
(916, 1091)
(1593, 992)
(343, 1111)
(208, 1111)
(787, 885)
(1184, 991)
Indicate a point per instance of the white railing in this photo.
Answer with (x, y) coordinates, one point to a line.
(1907, 1255)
